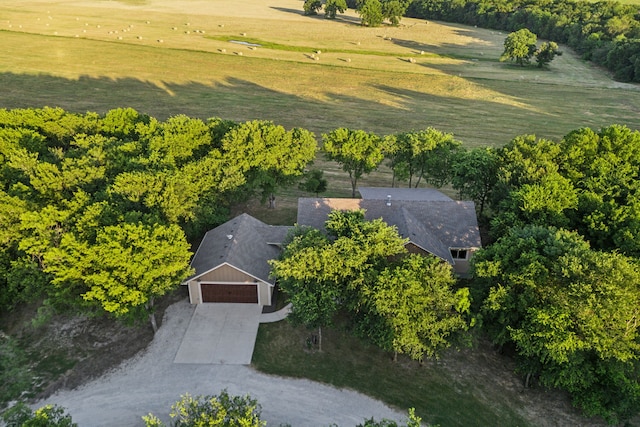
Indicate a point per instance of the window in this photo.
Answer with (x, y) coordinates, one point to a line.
(459, 253)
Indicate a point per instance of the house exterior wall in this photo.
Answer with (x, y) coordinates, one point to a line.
(226, 273)
(194, 292)
(413, 249)
(264, 293)
(463, 266)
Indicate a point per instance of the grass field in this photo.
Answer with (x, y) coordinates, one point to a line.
(162, 60)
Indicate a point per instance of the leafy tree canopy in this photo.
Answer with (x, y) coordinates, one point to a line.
(403, 303)
(519, 47)
(570, 311)
(94, 209)
(357, 151)
(222, 410)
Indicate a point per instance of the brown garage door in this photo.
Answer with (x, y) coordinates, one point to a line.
(229, 293)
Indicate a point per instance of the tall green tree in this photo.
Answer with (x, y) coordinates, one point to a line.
(475, 175)
(546, 53)
(425, 154)
(394, 10)
(358, 152)
(332, 7)
(370, 12)
(417, 300)
(571, 313)
(125, 270)
(302, 275)
(519, 46)
(311, 7)
(268, 155)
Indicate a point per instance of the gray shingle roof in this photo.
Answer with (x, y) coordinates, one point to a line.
(406, 194)
(243, 242)
(436, 224)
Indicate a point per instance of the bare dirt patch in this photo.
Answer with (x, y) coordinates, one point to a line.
(70, 349)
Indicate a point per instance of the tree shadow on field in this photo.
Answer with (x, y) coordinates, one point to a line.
(294, 11)
(474, 49)
(382, 108)
(344, 19)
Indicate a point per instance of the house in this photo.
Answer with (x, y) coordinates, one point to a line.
(231, 263)
(433, 222)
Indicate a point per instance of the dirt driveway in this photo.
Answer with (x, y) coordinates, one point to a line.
(152, 382)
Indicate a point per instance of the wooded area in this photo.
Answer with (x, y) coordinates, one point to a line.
(605, 32)
(97, 211)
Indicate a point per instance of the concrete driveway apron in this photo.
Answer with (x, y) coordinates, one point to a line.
(220, 334)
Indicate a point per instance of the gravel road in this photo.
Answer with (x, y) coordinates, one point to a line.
(151, 382)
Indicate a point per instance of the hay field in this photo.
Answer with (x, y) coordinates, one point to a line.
(171, 57)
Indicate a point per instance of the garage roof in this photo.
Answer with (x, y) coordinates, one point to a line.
(243, 242)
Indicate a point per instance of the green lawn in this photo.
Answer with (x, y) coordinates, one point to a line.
(439, 393)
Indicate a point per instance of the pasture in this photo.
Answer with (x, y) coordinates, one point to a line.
(183, 57)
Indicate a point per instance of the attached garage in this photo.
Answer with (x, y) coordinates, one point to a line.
(231, 264)
(218, 292)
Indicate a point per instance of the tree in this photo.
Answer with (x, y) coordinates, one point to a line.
(21, 415)
(314, 182)
(519, 46)
(332, 7)
(220, 410)
(546, 53)
(303, 277)
(475, 175)
(267, 154)
(427, 154)
(394, 10)
(417, 300)
(325, 273)
(357, 151)
(311, 7)
(370, 12)
(571, 313)
(123, 272)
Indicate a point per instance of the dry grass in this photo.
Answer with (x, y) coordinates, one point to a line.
(161, 60)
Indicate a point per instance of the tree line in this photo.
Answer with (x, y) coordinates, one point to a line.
(605, 32)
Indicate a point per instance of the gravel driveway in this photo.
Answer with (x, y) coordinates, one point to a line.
(151, 382)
